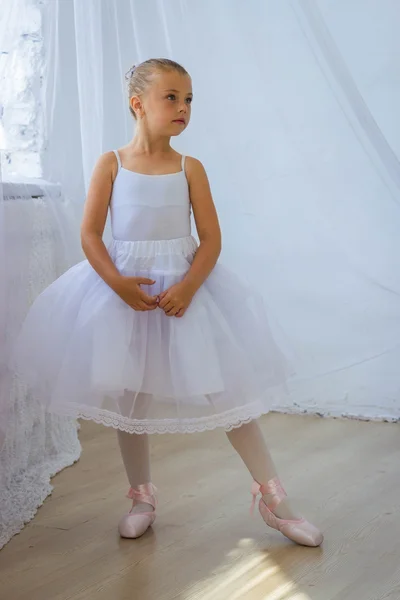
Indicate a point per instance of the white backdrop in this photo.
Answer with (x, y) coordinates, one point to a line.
(295, 120)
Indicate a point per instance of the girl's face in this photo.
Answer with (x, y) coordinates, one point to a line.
(165, 105)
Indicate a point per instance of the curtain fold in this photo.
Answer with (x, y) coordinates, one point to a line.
(345, 89)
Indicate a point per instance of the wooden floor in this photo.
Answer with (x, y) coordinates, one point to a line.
(204, 545)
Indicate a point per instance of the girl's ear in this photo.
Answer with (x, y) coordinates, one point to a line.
(136, 105)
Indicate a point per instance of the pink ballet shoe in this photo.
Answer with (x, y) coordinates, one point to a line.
(133, 525)
(298, 530)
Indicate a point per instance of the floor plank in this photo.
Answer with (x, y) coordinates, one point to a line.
(344, 474)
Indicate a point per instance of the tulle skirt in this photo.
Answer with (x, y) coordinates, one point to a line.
(85, 353)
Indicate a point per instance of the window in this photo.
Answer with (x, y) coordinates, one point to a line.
(21, 75)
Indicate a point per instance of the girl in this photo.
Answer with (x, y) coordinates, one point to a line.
(151, 335)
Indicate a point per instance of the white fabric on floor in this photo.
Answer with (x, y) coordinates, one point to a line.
(34, 445)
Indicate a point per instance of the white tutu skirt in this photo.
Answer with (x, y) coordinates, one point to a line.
(85, 353)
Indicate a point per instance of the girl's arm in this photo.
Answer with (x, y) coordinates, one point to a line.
(95, 216)
(92, 228)
(207, 225)
(176, 300)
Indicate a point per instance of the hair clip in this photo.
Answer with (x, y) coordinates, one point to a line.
(129, 74)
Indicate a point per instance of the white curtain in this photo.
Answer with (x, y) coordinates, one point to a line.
(295, 119)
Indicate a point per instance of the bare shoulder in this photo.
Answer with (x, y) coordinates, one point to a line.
(199, 186)
(101, 182)
(201, 199)
(194, 169)
(107, 159)
(193, 165)
(107, 165)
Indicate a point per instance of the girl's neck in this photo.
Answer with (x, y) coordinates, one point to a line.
(144, 142)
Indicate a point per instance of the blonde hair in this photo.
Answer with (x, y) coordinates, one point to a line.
(139, 77)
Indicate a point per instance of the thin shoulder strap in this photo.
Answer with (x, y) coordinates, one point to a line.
(183, 162)
(118, 158)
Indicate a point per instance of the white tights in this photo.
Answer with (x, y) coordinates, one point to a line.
(136, 456)
(247, 440)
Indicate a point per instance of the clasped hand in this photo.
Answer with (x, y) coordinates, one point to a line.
(174, 301)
